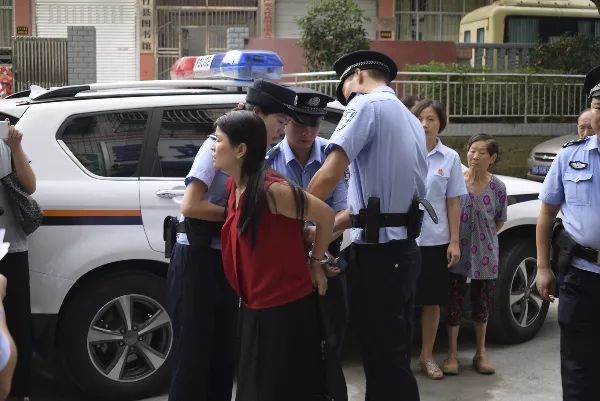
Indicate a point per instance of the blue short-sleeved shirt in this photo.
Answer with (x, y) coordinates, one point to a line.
(444, 180)
(203, 170)
(285, 163)
(385, 145)
(573, 182)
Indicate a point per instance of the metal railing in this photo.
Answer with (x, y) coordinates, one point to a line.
(471, 96)
(495, 56)
(39, 61)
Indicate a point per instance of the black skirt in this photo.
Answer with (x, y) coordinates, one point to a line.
(280, 356)
(433, 286)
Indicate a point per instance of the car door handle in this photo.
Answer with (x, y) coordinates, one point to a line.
(170, 193)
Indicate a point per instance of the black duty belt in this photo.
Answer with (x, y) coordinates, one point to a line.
(589, 254)
(180, 228)
(385, 220)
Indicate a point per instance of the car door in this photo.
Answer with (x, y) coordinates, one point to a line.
(180, 131)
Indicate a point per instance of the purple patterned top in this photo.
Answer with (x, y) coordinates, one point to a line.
(477, 234)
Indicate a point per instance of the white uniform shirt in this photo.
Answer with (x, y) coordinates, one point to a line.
(444, 180)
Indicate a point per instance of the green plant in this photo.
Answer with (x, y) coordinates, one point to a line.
(570, 54)
(330, 29)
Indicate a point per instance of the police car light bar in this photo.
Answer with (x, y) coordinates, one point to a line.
(243, 65)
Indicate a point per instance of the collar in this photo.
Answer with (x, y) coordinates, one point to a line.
(383, 88)
(592, 143)
(438, 148)
(288, 154)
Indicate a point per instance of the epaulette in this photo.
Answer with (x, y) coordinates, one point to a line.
(575, 142)
(272, 153)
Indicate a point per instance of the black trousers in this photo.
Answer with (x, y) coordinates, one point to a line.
(204, 310)
(579, 321)
(382, 295)
(17, 306)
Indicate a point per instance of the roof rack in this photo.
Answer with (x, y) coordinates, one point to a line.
(71, 91)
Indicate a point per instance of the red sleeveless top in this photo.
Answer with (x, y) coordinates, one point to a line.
(275, 271)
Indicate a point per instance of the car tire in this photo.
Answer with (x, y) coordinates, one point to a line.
(100, 354)
(518, 312)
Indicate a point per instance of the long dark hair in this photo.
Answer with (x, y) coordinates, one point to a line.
(242, 126)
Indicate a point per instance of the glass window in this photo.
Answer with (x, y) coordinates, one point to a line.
(108, 144)
(471, 5)
(522, 30)
(450, 28)
(430, 27)
(480, 35)
(467, 37)
(405, 27)
(405, 5)
(453, 6)
(182, 132)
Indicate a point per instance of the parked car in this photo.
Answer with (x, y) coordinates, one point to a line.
(543, 154)
(109, 160)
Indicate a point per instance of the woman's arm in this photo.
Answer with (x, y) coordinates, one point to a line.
(195, 206)
(282, 202)
(23, 170)
(453, 211)
(6, 374)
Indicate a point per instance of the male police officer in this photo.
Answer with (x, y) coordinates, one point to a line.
(202, 305)
(298, 157)
(571, 186)
(384, 145)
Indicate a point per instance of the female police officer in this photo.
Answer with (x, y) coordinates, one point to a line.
(202, 305)
(384, 144)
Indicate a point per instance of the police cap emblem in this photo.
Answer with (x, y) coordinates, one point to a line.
(313, 101)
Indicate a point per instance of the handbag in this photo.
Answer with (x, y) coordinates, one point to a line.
(27, 210)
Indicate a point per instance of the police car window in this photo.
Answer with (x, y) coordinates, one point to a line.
(182, 132)
(330, 122)
(107, 144)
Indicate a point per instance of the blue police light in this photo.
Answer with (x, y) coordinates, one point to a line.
(243, 65)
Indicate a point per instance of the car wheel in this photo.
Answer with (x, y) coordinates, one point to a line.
(116, 336)
(518, 311)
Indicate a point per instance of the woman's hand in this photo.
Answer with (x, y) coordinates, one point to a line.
(317, 275)
(453, 253)
(14, 138)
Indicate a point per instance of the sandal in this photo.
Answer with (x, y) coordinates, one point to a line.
(431, 369)
(450, 366)
(483, 365)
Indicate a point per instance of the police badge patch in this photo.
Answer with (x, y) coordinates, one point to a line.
(346, 118)
(577, 165)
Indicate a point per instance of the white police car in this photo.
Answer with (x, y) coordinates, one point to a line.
(109, 160)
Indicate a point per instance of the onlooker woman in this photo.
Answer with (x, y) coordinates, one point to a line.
(265, 263)
(483, 212)
(15, 265)
(438, 242)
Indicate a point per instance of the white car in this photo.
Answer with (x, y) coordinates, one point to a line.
(110, 161)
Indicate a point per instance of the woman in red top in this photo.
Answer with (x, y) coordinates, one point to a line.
(265, 263)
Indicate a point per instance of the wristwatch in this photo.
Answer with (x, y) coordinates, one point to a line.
(324, 260)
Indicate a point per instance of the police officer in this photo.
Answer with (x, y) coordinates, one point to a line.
(298, 157)
(202, 305)
(571, 186)
(384, 144)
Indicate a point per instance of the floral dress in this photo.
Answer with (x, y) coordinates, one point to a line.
(477, 233)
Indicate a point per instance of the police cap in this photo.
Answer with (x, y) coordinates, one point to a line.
(272, 97)
(591, 86)
(365, 60)
(309, 106)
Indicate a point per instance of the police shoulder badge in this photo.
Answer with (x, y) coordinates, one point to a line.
(575, 142)
(346, 118)
(577, 165)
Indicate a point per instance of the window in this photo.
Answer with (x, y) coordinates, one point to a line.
(182, 132)
(480, 35)
(467, 37)
(108, 144)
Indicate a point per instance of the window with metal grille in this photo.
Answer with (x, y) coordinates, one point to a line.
(107, 144)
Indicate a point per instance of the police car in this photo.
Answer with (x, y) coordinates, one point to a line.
(110, 161)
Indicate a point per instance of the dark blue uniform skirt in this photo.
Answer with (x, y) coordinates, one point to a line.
(204, 310)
